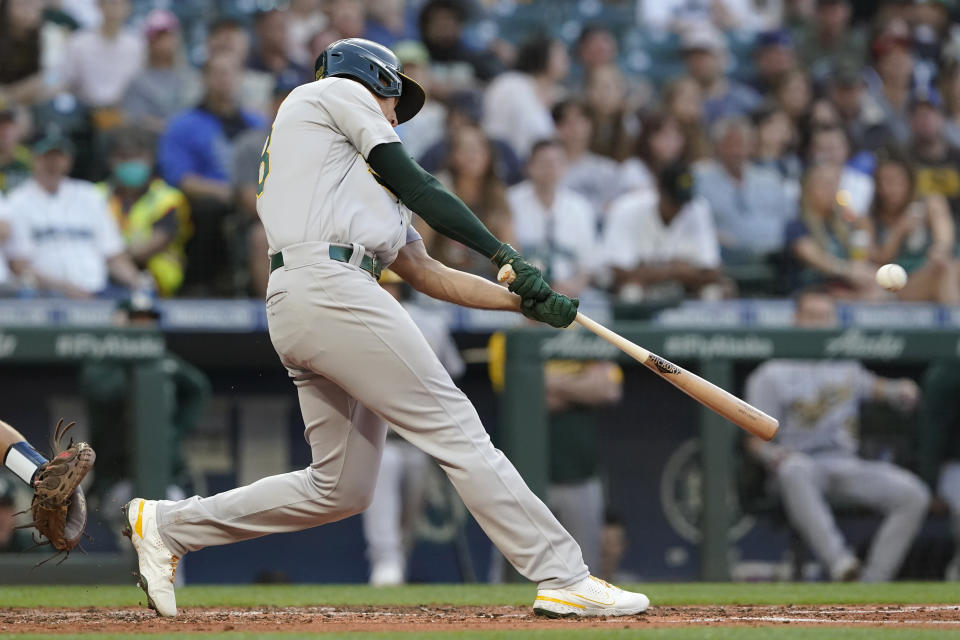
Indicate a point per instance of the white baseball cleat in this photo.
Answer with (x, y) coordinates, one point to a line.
(387, 574)
(589, 597)
(158, 566)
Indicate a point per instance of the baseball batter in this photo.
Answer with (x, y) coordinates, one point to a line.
(813, 457)
(336, 193)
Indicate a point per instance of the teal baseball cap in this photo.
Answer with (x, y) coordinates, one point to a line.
(53, 142)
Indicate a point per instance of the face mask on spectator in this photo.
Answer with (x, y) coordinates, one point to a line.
(132, 173)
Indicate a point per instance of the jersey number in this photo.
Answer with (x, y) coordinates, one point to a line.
(264, 165)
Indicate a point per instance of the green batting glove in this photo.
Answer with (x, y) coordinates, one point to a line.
(557, 310)
(529, 283)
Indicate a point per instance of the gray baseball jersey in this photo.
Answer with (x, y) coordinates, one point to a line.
(818, 405)
(816, 401)
(314, 180)
(356, 357)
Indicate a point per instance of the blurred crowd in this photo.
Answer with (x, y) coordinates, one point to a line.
(646, 151)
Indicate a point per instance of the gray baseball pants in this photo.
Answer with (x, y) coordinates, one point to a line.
(357, 359)
(809, 483)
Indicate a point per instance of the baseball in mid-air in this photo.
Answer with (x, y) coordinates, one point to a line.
(891, 277)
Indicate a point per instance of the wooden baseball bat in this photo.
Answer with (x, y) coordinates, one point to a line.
(744, 415)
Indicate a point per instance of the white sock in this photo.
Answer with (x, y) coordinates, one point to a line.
(23, 460)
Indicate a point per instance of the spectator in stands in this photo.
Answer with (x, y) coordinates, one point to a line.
(596, 47)
(8, 248)
(100, 63)
(153, 217)
(794, 95)
(306, 20)
(861, 118)
(228, 36)
(828, 144)
(680, 16)
(916, 233)
(167, 84)
(661, 143)
(889, 83)
(813, 458)
(389, 22)
(556, 226)
(828, 38)
(471, 175)
(773, 57)
(67, 241)
(195, 156)
(705, 55)
(21, 49)
(271, 53)
(595, 177)
(424, 131)
(614, 122)
(950, 90)
(937, 162)
(14, 157)
(465, 109)
(776, 148)
(660, 243)
(455, 64)
(346, 19)
(749, 202)
(831, 242)
(516, 106)
(683, 100)
(938, 460)
(930, 31)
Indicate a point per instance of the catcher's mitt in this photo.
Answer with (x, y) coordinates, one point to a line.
(59, 507)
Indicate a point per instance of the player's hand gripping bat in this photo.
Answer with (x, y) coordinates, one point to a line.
(726, 404)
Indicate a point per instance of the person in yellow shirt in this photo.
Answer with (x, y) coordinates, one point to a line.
(576, 390)
(153, 217)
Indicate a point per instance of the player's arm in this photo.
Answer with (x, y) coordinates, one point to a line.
(17, 455)
(448, 215)
(433, 278)
(596, 385)
(428, 198)
(123, 270)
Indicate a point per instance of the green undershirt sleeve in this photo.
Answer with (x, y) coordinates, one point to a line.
(425, 196)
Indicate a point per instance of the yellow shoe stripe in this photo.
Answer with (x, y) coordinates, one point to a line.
(606, 604)
(569, 604)
(138, 527)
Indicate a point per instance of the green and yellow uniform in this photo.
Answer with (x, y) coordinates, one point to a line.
(163, 208)
(15, 172)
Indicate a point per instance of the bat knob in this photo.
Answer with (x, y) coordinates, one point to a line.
(506, 274)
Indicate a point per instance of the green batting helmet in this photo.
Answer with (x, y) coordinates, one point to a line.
(374, 66)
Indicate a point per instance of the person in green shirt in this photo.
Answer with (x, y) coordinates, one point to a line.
(939, 445)
(576, 393)
(106, 386)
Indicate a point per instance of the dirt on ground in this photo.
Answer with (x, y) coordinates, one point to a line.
(439, 618)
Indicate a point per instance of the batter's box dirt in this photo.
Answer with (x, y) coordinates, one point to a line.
(320, 619)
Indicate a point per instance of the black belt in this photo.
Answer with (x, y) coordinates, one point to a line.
(340, 254)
